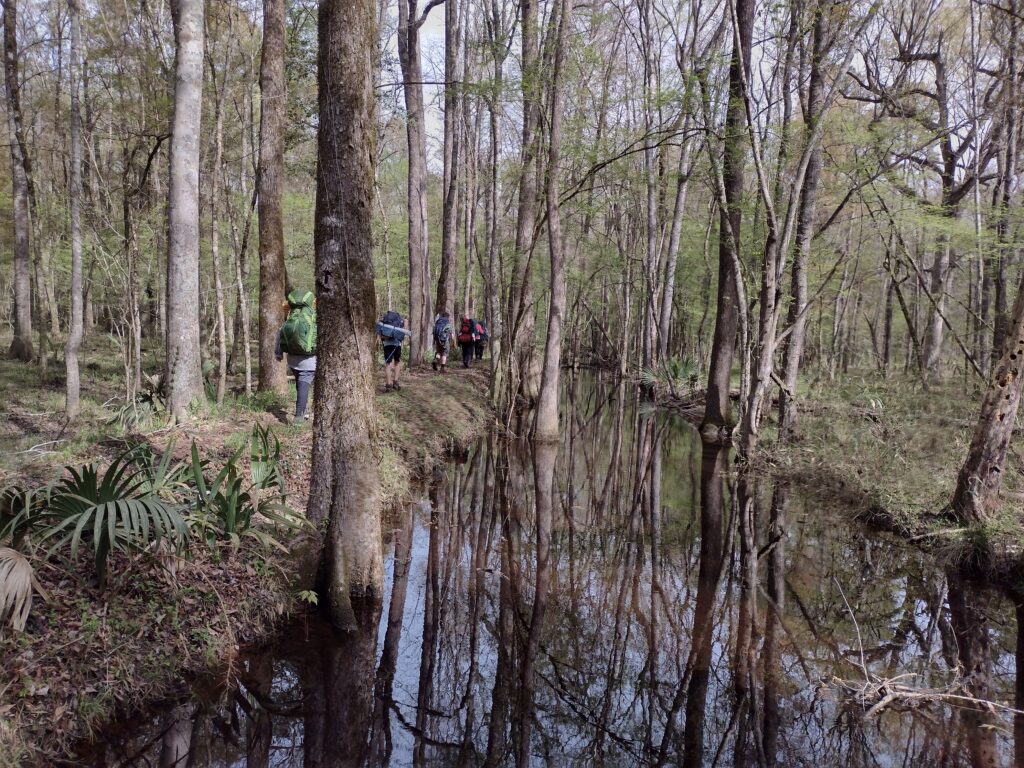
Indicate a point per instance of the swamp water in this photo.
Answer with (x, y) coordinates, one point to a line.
(685, 617)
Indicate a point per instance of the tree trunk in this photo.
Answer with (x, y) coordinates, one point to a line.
(74, 342)
(273, 376)
(416, 137)
(453, 104)
(345, 487)
(797, 313)
(21, 344)
(977, 487)
(218, 283)
(717, 414)
(183, 375)
(546, 424)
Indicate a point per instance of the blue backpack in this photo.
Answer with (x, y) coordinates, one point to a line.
(442, 331)
(391, 329)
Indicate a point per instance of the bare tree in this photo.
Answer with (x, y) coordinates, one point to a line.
(74, 342)
(21, 345)
(409, 23)
(183, 373)
(270, 185)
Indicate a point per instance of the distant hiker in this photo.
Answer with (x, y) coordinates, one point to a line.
(391, 329)
(481, 339)
(467, 340)
(442, 341)
(297, 339)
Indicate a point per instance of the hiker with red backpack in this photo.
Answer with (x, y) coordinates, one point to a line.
(392, 332)
(467, 340)
(297, 339)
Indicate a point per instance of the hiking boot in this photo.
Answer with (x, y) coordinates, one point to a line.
(434, 364)
(396, 385)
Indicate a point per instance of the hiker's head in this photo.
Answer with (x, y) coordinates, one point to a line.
(465, 317)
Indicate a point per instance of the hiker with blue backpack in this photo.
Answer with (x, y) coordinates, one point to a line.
(442, 341)
(392, 332)
(297, 339)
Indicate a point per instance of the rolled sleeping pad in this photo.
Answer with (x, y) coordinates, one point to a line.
(382, 327)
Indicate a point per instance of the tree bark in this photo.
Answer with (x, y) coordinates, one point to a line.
(453, 104)
(21, 345)
(273, 376)
(183, 368)
(74, 342)
(416, 138)
(718, 411)
(977, 487)
(218, 283)
(546, 423)
(345, 487)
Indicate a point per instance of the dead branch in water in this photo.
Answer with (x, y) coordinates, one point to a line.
(877, 694)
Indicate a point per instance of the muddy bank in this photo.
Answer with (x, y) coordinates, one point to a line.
(88, 656)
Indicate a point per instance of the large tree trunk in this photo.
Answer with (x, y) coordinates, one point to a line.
(273, 376)
(345, 485)
(74, 342)
(717, 413)
(183, 375)
(21, 345)
(416, 137)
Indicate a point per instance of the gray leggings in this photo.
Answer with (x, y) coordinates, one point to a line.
(303, 383)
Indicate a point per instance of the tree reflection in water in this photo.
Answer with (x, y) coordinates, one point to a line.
(665, 610)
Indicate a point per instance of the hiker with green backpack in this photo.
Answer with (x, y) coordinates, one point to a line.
(297, 339)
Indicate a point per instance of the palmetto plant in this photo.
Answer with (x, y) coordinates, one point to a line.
(22, 512)
(115, 510)
(680, 375)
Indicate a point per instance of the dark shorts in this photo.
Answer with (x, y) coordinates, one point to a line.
(392, 355)
(441, 349)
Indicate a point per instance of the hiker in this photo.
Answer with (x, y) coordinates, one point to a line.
(467, 340)
(442, 341)
(391, 329)
(297, 339)
(481, 339)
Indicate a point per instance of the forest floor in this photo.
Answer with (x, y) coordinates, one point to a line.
(891, 449)
(887, 451)
(88, 655)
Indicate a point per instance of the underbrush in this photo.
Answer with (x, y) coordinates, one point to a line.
(185, 558)
(893, 449)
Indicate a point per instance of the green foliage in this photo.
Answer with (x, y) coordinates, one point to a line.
(225, 506)
(147, 405)
(21, 513)
(681, 376)
(308, 596)
(111, 511)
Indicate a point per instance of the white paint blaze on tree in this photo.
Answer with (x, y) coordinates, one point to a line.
(183, 372)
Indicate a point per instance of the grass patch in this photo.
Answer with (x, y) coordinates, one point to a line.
(892, 449)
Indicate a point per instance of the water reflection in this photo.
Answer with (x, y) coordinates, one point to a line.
(659, 610)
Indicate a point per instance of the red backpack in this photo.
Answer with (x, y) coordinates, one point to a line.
(466, 332)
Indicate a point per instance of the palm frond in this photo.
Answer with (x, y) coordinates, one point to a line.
(17, 584)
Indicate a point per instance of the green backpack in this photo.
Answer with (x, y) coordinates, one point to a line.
(298, 334)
